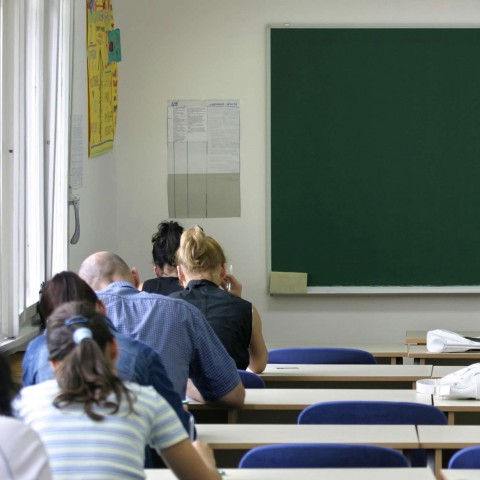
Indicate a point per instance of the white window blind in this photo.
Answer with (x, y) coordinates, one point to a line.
(35, 64)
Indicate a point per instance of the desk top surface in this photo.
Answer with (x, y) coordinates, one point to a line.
(310, 474)
(440, 371)
(448, 436)
(460, 474)
(461, 405)
(247, 436)
(299, 398)
(297, 372)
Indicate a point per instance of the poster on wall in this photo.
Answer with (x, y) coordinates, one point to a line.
(203, 158)
(103, 53)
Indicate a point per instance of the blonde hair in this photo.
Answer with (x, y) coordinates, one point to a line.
(199, 252)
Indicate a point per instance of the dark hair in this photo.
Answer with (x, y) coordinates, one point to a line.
(63, 287)
(8, 387)
(165, 243)
(84, 373)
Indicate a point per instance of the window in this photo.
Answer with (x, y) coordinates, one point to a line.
(35, 65)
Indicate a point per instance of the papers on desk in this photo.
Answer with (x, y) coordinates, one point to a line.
(446, 341)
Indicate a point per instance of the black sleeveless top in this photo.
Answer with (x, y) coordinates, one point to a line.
(162, 285)
(229, 316)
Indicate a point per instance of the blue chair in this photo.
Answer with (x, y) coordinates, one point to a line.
(375, 413)
(251, 380)
(325, 355)
(318, 455)
(372, 413)
(466, 458)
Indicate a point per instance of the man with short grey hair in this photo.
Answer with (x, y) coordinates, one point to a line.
(175, 329)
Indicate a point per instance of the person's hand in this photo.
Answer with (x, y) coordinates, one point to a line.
(231, 284)
(205, 452)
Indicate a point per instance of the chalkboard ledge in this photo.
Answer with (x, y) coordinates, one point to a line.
(340, 290)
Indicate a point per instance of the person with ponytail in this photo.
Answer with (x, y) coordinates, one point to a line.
(137, 361)
(208, 286)
(92, 423)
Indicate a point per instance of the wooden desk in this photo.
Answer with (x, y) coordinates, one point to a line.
(421, 356)
(231, 442)
(440, 371)
(275, 399)
(246, 437)
(460, 474)
(451, 407)
(363, 376)
(447, 437)
(310, 474)
(392, 353)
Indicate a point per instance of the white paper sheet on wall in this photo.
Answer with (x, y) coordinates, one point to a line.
(203, 158)
(76, 152)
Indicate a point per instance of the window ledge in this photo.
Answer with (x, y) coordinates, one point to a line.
(12, 345)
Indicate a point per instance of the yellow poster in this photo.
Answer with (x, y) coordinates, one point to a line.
(102, 78)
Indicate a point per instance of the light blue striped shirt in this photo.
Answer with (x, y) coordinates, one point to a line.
(113, 448)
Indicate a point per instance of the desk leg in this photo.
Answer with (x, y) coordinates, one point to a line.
(451, 418)
(434, 462)
(232, 415)
(438, 463)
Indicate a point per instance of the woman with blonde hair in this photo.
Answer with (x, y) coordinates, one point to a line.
(203, 272)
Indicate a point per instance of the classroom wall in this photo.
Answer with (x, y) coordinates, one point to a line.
(209, 49)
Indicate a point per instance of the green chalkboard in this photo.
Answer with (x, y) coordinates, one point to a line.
(375, 155)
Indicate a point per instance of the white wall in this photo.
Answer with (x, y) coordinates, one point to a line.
(98, 195)
(204, 49)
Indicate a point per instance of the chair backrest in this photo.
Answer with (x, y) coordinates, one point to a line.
(372, 412)
(317, 455)
(466, 458)
(326, 355)
(251, 380)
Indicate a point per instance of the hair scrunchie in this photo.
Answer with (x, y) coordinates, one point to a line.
(81, 334)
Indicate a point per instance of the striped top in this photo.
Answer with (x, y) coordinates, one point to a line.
(113, 448)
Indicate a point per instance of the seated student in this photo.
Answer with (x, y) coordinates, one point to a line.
(22, 453)
(94, 425)
(176, 330)
(165, 244)
(137, 361)
(202, 271)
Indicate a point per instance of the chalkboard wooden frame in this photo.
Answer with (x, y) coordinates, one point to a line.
(446, 251)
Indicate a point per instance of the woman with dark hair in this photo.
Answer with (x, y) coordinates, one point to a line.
(93, 424)
(165, 244)
(22, 453)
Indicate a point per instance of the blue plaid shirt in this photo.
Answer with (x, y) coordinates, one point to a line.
(179, 333)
